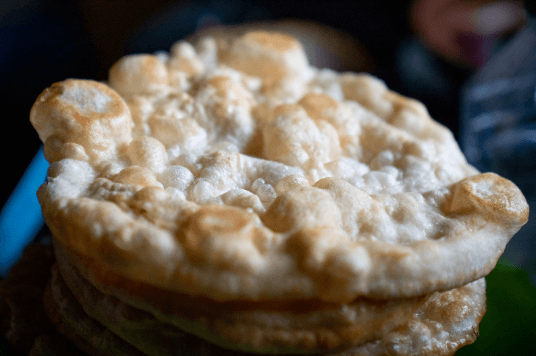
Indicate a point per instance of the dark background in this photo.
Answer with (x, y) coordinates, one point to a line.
(44, 41)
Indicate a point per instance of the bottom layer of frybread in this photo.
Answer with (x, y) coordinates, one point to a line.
(446, 322)
(264, 327)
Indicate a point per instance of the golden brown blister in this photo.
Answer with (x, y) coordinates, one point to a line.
(138, 74)
(354, 191)
(270, 56)
(81, 118)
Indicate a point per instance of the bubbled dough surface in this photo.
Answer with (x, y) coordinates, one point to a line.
(276, 181)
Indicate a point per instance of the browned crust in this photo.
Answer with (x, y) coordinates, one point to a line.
(447, 308)
(72, 322)
(307, 324)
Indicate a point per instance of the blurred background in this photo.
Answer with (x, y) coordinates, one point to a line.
(471, 62)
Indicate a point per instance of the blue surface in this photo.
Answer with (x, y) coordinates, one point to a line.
(21, 218)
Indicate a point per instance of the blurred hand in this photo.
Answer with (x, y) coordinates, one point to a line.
(463, 32)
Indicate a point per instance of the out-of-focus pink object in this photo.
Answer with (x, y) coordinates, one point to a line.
(464, 32)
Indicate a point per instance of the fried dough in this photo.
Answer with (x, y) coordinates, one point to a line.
(234, 191)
